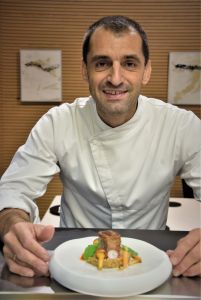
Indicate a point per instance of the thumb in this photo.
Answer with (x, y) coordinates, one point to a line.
(169, 252)
(44, 233)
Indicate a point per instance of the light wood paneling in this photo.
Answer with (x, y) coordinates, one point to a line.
(172, 25)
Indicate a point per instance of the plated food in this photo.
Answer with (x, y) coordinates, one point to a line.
(76, 274)
(107, 251)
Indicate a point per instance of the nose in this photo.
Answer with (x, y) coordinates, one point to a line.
(115, 75)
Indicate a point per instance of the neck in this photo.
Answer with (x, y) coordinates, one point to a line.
(116, 119)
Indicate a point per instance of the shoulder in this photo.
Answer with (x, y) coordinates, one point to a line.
(179, 124)
(66, 112)
(66, 115)
(157, 104)
(167, 111)
(77, 104)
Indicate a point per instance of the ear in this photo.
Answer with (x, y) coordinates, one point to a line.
(147, 73)
(84, 71)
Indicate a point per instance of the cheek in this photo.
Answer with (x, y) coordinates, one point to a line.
(93, 87)
(98, 77)
(95, 83)
(137, 81)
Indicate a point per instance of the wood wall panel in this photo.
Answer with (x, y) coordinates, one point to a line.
(172, 25)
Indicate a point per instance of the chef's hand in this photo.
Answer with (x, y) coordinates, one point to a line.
(23, 251)
(186, 258)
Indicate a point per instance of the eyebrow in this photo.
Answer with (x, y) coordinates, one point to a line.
(129, 56)
(133, 56)
(98, 57)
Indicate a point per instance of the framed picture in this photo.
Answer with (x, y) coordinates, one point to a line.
(184, 82)
(40, 72)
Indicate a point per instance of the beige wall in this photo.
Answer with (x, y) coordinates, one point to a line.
(172, 25)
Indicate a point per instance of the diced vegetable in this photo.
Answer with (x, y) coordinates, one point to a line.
(96, 241)
(138, 259)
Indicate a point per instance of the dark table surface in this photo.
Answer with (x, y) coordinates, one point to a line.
(13, 286)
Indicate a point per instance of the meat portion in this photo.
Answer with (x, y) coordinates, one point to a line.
(111, 242)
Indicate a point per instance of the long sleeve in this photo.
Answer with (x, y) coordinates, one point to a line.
(31, 169)
(191, 154)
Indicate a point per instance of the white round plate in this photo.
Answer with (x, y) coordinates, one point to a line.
(68, 269)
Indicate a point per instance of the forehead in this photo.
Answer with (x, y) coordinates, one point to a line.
(106, 42)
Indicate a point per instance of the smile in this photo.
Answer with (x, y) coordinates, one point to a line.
(114, 92)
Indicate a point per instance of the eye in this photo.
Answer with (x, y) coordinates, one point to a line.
(102, 65)
(129, 64)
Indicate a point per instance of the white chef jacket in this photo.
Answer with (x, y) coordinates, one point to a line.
(112, 177)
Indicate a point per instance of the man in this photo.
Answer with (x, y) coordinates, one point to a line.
(117, 152)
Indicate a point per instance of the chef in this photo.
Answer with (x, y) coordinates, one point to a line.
(117, 153)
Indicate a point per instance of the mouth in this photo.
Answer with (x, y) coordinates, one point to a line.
(115, 94)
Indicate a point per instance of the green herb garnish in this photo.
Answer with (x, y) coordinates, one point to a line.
(128, 249)
(90, 250)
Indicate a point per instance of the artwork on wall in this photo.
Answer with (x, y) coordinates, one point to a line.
(40, 75)
(184, 83)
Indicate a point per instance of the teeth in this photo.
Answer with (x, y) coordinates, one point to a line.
(114, 92)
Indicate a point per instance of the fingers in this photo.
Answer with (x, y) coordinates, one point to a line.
(26, 265)
(186, 258)
(31, 257)
(190, 264)
(15, 265)
(44, 233)
(185, 245)
(19, 269)
(194, 270)
(23, 239)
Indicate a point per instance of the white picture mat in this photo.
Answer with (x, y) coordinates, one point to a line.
(184, 82)
(41, 75)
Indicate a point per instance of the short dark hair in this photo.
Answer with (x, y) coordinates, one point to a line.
(115, 24)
